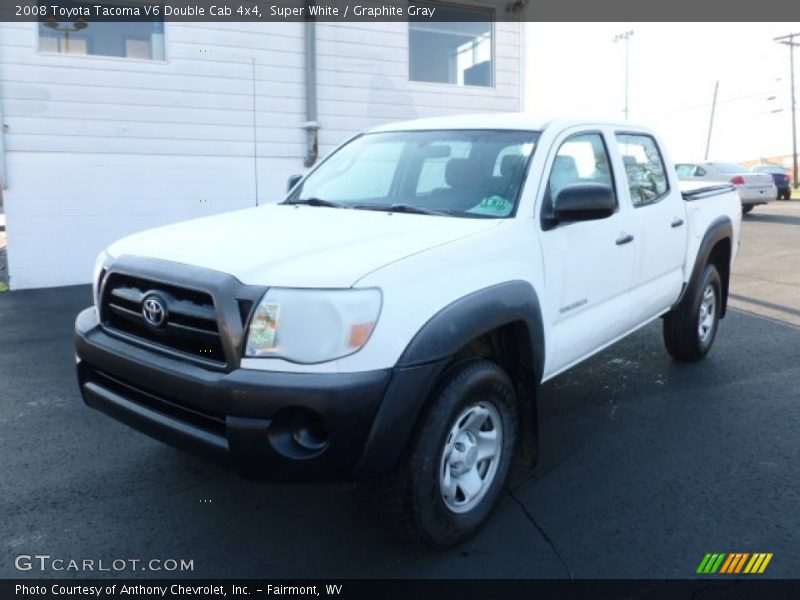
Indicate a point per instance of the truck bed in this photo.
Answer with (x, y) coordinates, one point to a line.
(691, 190)
(705, 204)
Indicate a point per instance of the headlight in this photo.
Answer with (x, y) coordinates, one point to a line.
(312, 326)
(100, 266)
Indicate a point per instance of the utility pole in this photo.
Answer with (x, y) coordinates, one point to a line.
(711, 121)
(788, 40)
(626, 37)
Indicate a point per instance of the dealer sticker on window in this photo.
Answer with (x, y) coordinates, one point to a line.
(496, 206)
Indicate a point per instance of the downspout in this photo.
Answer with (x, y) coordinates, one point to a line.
(311, 125)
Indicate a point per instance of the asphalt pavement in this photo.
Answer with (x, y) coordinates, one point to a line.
(646, 464)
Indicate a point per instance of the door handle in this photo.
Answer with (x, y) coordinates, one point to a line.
(624, 238)
(676, 222)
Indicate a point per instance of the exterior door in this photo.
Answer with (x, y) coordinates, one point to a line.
(661, 215)
(589, 264)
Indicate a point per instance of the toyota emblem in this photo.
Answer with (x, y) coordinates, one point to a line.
(154, 310)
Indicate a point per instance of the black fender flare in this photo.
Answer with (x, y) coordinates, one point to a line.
(469, 317)
(721, 228)
(429, 353)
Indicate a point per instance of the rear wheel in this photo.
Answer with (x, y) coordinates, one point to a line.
(689, 330)
(746, 208)
(458, 458)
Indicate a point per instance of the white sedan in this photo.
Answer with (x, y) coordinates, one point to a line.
(753, 188)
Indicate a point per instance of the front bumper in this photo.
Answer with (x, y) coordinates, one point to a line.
(268, 425)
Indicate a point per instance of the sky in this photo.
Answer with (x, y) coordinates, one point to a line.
(575, 69)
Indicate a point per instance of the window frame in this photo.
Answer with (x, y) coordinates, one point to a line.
(544, 222)
(492, 47)
(668, 189)
(146, 61)
(290, 194)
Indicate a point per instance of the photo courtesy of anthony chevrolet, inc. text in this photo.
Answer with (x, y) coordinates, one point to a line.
(392, 299)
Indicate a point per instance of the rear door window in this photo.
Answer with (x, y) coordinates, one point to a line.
(644, 168)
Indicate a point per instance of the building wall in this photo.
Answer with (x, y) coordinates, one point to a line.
(97, 148)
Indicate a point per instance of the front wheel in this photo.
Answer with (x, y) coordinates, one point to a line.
(690, 329)
(457, 461)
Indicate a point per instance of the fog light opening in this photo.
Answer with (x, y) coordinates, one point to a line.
(309, 430)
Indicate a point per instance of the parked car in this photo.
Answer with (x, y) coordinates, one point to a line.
(392, 318)
(753, 188)
(781, 178)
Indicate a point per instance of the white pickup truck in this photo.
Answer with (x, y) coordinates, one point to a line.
(393, 317)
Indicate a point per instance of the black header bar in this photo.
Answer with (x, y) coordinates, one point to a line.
(396, 10)
(705, 588)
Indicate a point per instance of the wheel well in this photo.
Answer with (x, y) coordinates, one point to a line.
(510, 347)
(720, 257)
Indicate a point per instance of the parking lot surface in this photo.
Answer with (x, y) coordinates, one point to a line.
(646, 464)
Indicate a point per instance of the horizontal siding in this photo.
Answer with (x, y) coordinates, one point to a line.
(103, 110)
(202, 103)
(85, 144)
(243, 132)
(106, 147)
(54, 196)
(129, 99)
(386, 93)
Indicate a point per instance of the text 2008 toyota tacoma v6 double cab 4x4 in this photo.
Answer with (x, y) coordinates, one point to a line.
(392, 318)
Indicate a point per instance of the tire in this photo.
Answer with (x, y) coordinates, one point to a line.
(746, 208)
(690, 329)
(433, 498)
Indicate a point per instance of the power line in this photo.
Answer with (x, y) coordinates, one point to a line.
(707, 104)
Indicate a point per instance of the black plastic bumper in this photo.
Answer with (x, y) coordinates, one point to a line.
(269, 425)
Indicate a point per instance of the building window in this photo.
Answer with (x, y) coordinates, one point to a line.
(457, 48)
(143, 40)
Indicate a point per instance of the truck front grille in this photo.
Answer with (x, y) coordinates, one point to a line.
(189, 325)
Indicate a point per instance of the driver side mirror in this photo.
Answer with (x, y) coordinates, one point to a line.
(293, 181)
(585, 202)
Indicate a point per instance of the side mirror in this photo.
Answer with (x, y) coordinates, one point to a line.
(585, 202)
(293, 180)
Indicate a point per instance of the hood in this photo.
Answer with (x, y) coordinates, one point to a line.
(298, 246)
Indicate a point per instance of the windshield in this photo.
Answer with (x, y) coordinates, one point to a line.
(466, 173)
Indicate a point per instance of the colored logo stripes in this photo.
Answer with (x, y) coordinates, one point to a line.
(734, 562)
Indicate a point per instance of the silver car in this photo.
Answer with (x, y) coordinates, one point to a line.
(753, 188)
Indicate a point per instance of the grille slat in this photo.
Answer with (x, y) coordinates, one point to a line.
(191, 326)
(195, 331)
(126, 313)
(210, 421)
(132, 295)
(191, 310)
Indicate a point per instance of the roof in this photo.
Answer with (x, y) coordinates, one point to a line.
(514, 121)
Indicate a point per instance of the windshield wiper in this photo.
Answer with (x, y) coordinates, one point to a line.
(404, 208)
(317, 202)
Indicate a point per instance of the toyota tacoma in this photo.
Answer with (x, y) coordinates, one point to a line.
(392, 318)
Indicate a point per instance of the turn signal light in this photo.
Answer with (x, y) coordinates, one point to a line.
(359, 334)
